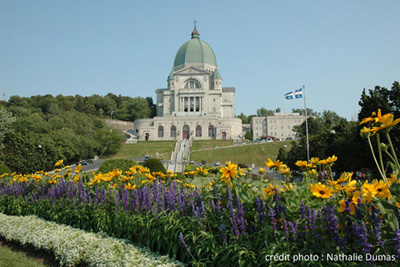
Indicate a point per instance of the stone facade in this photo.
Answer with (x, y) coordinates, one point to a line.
(280, 125)
(194, 105)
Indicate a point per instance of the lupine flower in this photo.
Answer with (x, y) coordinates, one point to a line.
(396, 239)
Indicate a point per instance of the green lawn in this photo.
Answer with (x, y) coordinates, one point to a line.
(143, 148)
(225, 151)
(201, 144)
(13, 255)
(247, 154)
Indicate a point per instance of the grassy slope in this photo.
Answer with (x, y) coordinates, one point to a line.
(247, 154)
(143, 148)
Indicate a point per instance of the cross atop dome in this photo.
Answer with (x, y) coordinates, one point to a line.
(195, 33)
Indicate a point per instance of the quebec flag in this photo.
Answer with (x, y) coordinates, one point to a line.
(294, 94)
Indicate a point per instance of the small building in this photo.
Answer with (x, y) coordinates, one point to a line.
(280, 125)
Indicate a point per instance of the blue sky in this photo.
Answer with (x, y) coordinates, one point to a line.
(263, 48)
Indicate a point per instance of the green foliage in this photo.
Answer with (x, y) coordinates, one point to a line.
(155, 165)
(6, 120)
(249, 135)
(4, 169)
(119, 164)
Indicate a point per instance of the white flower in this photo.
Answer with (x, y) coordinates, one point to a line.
(73, 246)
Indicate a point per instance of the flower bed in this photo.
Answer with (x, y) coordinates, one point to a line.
(73, 246)
(232, 221)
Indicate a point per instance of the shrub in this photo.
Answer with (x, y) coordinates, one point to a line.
(4, 169)
(120, 164)
(155, 165)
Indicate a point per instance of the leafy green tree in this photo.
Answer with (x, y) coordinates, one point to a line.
(249, 135)
(6, 121)
(243, 117)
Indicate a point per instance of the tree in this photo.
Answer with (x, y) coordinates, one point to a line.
(243, 117)
(262, 112)
(6, 120)
(249, 135)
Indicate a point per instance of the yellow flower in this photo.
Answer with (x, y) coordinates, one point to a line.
(58, 163)
(130, 187)
(344, 177)
(350, 187)
(270, 190)
(241, 171)
(115, 173)
(328, 161)
(287, 187)
(356, 196)
(106, 178)
(303, 163)
(342, 207)
(78, 168)
(314, 161)
(261, 171)
(321, 191)
(285, 170)
(229, 172)
(312, 172)
(365, 132)
(149, 176)
(96, 179)
(52, 182)
(201, 171)
(76, 178)
(270, 164)
(382, 190)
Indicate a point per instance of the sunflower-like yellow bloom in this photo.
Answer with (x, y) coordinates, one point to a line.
(115, 173)
(130, 187)
(270, 190)
(381, 122)
(58, 163)
(382, 189)
(96, 179)
(270, 164)
(285, 170)
(78, 168)
(201, 171)
(328, 161)
(241, 171)
(229, 172)
(344, 177)
(303, 163)
(321, 191)
(261, 171)
(350, 187)
(356, 196)
(314, 160)
(342, 207)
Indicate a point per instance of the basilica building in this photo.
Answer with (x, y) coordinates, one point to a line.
(194, 105)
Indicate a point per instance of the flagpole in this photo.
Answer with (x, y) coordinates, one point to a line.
(305, 112)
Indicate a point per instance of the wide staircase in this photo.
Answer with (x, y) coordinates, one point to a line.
(180, 156)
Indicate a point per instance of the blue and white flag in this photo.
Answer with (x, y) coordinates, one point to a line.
(294, 94)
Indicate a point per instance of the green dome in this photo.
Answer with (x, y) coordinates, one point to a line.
(195, 51)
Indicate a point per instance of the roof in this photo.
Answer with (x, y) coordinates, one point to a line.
(195, 51)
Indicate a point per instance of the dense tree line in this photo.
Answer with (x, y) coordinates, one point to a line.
(329, 134)
(37, 131)
(118, 107)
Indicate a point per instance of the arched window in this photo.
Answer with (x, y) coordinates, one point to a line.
(173, 131)
(211, 131)
(160, 131)
(191, 84)
(198, 131)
